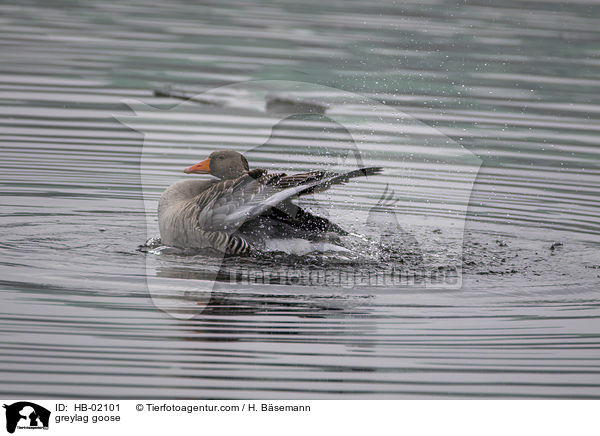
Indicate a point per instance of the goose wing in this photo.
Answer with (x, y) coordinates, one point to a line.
(228, 204)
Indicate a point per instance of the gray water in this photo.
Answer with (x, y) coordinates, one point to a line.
(515, 83)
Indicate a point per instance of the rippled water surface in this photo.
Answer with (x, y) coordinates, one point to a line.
(514, 85)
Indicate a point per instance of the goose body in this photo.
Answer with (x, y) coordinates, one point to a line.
(242, 210)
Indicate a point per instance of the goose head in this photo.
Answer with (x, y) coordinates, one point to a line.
(224, 164)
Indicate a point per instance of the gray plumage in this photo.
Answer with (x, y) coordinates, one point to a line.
(225, 215)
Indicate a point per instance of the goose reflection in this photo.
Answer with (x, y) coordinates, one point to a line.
(227, 312)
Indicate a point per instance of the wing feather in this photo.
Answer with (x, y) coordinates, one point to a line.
(226, 205)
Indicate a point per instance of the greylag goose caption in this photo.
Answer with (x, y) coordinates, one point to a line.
(238, 210)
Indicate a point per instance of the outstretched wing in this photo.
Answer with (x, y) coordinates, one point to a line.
(231, 203)
(330, 179)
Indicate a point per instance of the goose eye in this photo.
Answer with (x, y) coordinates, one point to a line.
(221, 157)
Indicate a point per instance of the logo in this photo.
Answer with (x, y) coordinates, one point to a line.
(399, 229)
(26, 415)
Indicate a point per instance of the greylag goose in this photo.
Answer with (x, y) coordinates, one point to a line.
(235, 212)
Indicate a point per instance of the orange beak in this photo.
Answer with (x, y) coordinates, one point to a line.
(200, 168)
